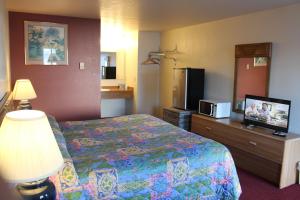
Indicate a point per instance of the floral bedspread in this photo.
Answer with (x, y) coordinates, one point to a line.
(142, 157)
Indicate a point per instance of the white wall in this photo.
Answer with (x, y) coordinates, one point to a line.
(211, 45)
(4, 50)
(148, 75)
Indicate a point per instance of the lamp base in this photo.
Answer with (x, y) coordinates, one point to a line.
(24, 105)
(43, 189)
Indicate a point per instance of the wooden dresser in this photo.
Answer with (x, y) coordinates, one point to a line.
(256, 150)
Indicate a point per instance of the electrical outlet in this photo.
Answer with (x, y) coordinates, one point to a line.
(81, 66)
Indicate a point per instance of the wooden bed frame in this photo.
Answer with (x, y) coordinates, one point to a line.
(4, 106)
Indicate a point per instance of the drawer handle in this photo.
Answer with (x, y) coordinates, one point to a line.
(253, 143)
(208, 128)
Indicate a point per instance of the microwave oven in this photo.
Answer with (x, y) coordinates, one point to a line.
(216, 109)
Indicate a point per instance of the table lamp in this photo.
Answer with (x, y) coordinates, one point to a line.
(29, 154)
(23, 91)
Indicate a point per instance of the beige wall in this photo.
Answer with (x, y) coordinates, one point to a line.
(131, 69)
(4, 50)
(148, 75)
(125, 43)
(211, 45)
(120, 63)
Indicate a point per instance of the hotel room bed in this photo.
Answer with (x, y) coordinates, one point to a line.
(141, 157)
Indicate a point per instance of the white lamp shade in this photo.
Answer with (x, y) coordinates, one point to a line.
(28, 149)
(23, 90)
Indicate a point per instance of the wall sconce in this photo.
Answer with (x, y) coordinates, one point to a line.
(154, 56)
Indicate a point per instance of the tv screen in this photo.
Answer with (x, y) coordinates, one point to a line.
(267, 112)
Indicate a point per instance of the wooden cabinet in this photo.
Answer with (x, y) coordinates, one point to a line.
(256, 150)
(180, 118)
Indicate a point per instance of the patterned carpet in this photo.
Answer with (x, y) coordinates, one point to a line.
(255, 188)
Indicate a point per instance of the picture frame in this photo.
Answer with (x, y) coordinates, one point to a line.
(45, 43)
(260, 61)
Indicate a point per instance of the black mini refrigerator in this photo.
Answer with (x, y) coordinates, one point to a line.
(188, 88)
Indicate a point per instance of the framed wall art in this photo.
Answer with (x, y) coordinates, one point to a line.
(260, 61)
(46, 43)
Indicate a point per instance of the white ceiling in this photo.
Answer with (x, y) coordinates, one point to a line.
(148, 15)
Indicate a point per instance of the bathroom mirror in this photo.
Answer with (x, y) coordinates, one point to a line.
(108, 65)
(112, 65)
(252, 71)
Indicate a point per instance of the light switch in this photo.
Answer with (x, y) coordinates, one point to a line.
(248, 66)
(81, 66)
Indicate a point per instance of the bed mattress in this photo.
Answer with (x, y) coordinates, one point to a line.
(141, 157)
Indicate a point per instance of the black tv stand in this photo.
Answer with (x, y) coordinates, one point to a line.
(250, 126)
(279, 133)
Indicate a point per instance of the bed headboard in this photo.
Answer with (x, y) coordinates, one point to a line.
(5, 106)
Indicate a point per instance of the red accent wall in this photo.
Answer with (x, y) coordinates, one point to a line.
(252, 80)
(63, 91)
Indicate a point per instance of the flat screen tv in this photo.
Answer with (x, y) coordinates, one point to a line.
(267, 112)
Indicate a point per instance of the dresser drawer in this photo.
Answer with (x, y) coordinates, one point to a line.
(267, 169)
(205, 129)
(261, 146)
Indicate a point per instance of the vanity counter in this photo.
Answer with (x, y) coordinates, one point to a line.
(113, 92)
